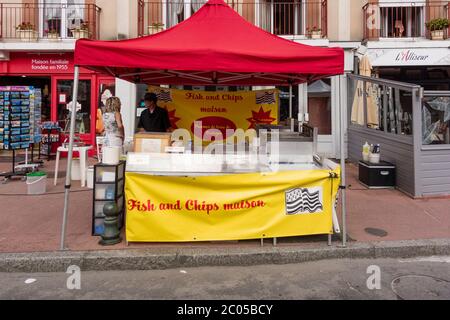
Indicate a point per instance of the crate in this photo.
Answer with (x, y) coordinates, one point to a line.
(380, 175)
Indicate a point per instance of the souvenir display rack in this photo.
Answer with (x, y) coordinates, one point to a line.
(50, 135)
(15, 131)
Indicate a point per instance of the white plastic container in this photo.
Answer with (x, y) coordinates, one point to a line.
(366, 152)
(365, 156)
(76, 170)
(90, 177)
(111, 155)
(374, 158)
(37, 184)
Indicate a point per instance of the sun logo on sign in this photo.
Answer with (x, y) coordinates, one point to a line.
(260, 117)
(172, 117)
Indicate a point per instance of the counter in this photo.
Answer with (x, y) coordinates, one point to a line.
(195, 197)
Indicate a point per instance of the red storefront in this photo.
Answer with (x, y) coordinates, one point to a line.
(53, 73)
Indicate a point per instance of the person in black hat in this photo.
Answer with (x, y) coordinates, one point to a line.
(154, 118)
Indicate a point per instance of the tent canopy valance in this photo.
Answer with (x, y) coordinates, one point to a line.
(216, 46)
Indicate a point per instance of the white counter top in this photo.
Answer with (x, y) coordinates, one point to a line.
(201, 164)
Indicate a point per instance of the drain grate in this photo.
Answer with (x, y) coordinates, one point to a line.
(376, 232)
(420, 287)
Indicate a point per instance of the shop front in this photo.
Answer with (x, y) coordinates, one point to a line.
(53, 74)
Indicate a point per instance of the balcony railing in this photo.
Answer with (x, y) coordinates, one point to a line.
(30, 22)
(284, 18)
(403, 19)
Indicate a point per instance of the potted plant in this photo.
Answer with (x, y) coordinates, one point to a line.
(315, 32)
(52, 34)
(155, 27)
(82, 31)
(26, 32)
(437, 27)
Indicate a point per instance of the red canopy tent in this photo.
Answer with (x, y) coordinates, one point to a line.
(216, 46)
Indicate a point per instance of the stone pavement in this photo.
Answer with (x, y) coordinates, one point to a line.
(32, 223)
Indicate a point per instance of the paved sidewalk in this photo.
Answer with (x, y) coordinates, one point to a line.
(32, 223)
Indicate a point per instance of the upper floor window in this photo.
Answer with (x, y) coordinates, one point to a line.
(282, 17)
(402, 21)
(61, 16)
(180, 10)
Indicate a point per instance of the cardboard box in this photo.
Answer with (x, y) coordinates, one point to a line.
(150, 142)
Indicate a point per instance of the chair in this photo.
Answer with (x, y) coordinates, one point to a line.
(99, 142)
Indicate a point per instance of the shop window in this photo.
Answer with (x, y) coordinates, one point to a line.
(398, 22)
(436, 119)
(430, 78)
(83, 119)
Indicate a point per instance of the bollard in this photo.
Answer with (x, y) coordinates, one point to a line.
(111, 235)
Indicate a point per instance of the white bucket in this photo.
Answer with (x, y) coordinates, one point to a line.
(111, 155)
(90, 177)
(37, 185)
(76, 170)
(374, 158)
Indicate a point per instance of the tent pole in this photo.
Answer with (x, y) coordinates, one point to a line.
(342, 111)
(290, 101)
(70, 156)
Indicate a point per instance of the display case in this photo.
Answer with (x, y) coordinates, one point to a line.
(109, 182)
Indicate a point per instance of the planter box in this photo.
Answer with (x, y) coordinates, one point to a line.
(53, 37)
(154, 29)
(437, 35)
(80, 34)
(316, 35)
(27, 35)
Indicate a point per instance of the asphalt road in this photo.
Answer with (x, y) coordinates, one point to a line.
(421, 278)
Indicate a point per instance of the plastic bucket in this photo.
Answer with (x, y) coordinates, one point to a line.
(374, 158)
(37, 183)
(76, 170)
(111, 155)
(90, 177)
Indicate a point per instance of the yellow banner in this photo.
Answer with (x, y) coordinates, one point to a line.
(222, 110)
(232, 207)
